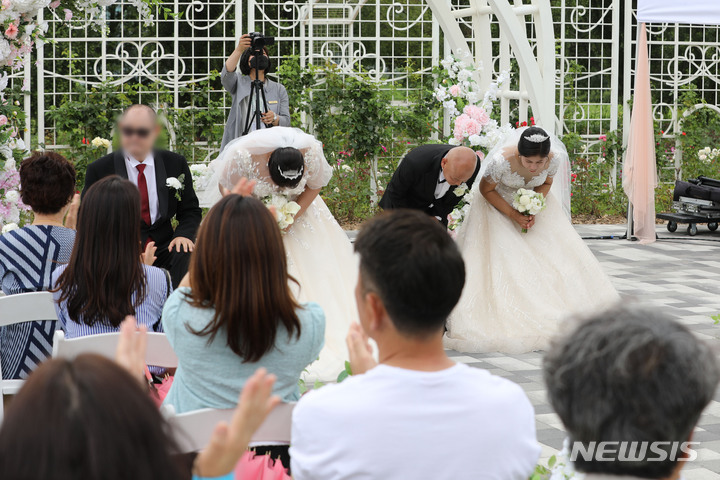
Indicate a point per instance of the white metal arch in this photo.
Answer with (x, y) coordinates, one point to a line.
(537, 70)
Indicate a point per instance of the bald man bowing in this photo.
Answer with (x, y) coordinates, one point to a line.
(166, 189)
(426, 177)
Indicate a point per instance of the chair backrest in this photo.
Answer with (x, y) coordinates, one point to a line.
(27, 307)
(159, 351)
(21, 308)
(193, 430)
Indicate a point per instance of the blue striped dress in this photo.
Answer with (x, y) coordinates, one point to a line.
(28, 257)
(148, 312)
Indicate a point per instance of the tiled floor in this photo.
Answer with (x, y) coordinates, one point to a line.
(679, 274)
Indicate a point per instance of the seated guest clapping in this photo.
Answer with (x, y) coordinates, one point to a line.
(29, 255)
(106, 279)
(88, 418)
(418, 414)
(629, 385)
(234, 311)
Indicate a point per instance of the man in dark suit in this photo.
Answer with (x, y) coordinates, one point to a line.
(166, 189)
(426, 177)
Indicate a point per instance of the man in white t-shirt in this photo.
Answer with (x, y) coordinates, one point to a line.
(417, 414)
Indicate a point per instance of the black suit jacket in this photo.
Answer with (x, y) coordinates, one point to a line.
(167, 164)
(413, 183)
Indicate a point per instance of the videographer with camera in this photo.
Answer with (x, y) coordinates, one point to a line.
(257, 101)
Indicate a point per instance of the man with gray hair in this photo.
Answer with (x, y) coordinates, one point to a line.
(629, 385)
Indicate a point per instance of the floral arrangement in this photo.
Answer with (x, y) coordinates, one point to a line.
(468, 107)
(457, 216)
(285, 210)
(11, 206)
(470, 111)
(707, 154)
(201, 176)
(528, 202)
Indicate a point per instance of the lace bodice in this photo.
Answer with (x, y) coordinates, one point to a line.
(253, 166)
(500, 171)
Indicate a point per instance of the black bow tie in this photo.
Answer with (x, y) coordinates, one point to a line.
(442, 181)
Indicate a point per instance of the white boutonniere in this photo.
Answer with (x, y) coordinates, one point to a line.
(461, 190)
(176, 184)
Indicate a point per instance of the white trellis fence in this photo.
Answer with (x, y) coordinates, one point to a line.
(572, 58)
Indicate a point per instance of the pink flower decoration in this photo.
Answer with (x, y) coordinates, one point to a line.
(478, 114)
(455, 90)
(6, 4)
(465, 126)
(603, 138)
(68, 14)
(11, 31)
(55, 4)
(3, 120)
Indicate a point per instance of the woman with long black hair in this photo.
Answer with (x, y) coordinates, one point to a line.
(106, 279)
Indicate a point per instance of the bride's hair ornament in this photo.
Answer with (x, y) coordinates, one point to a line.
(537, 138)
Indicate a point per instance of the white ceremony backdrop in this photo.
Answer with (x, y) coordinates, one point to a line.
(572, 59)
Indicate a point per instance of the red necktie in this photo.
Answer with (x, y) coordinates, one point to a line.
(144, 201)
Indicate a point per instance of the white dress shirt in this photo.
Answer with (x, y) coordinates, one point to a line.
(132, 171)
(442, 186)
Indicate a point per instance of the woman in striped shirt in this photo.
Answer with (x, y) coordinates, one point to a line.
(106, 279)
(29, 255)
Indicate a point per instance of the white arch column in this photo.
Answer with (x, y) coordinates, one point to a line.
(537, 71)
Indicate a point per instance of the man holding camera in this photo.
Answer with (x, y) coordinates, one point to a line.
(257, 101)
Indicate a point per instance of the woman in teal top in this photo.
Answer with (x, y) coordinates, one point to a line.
(234, 312)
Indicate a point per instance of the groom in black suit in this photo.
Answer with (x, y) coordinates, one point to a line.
(165, 184)
(426, 177)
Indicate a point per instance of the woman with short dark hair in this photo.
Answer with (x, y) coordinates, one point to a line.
(238, 85)
(105, 279)
(29, 255)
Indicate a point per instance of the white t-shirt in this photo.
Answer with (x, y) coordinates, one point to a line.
(397, 424)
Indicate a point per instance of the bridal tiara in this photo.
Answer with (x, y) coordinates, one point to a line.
(536, 138)
(290, 174)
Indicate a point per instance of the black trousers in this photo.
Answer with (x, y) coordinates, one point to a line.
(174, 262)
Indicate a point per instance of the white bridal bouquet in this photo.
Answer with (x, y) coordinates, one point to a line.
(285, 210)
(528, 202)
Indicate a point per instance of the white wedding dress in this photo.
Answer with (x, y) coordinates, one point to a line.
(320, 255)
(520, 288)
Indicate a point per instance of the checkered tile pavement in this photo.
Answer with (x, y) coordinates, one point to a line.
(680, 274)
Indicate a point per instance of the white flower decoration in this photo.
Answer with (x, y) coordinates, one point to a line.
(9, 227)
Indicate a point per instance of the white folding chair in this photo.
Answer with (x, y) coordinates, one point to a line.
(21, 308)
(193, 430)
(159, 351)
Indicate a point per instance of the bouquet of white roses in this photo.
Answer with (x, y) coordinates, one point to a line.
(285, 210)
(528, 202)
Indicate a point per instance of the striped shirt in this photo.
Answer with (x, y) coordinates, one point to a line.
(147, 313)
(28, 257)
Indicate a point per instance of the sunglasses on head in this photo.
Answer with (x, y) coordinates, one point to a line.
(140, 132)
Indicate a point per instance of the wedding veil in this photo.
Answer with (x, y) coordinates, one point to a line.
(247, 156)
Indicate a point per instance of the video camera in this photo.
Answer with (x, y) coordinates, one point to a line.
(258, 41)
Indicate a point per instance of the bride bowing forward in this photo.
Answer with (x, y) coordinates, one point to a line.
(289, 165)
(520, 286)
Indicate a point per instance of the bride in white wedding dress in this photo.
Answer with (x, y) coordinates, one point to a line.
(520, 287)
(288, 162)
